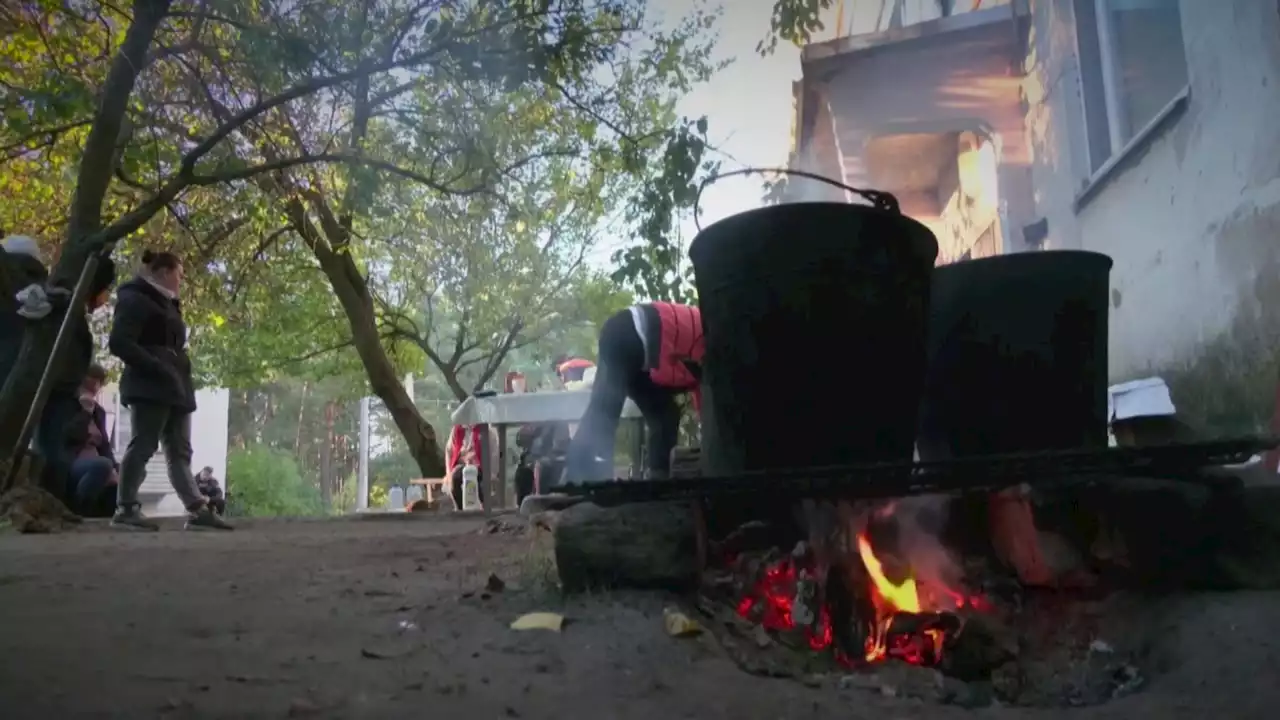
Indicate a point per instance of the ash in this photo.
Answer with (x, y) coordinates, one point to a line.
(1027, 648)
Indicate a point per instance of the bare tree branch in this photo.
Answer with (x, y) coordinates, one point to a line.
(50, 136)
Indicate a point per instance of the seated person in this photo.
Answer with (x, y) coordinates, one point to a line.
(208, 486)
(94, 470)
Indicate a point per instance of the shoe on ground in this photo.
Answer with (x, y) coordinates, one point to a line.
(206, 519)
(131, 518)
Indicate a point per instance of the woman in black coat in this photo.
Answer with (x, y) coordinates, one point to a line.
(149, 336)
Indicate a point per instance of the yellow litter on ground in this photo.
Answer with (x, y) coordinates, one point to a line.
(539, 621)
(679, 625)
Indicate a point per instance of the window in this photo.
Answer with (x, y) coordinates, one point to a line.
(1132, 65)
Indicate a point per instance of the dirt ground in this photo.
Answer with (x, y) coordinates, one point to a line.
(358, 618)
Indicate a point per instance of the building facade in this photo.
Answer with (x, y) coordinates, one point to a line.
(1143, 129)
(209, 425)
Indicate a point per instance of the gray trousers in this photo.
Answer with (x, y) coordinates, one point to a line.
(155, 426)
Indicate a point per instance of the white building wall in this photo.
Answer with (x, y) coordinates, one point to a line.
(209, 427)
(1191, 215)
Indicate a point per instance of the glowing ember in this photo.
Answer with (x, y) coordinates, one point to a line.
(774, 599)
(912, 617)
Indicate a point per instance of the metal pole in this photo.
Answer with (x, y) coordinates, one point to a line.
(78, 298)
(362, 475)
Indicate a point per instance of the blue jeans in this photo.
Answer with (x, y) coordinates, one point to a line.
(51, 441)
(93, 496)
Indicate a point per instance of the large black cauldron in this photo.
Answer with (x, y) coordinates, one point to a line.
(814, 316)
(1017, 355)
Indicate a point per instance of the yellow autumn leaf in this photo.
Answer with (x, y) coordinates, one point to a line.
(217, 320)
(680, 625)
(539, 621)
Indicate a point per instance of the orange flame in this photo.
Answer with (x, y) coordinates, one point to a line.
(899, 598)
(889, 598)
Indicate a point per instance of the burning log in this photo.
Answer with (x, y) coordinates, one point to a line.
(641, 545)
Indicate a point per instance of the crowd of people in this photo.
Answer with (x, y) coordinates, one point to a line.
(149, 337)
(650, 353)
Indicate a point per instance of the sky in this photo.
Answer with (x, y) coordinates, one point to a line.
(748, 110)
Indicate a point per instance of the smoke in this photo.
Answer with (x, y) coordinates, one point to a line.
(919, 523)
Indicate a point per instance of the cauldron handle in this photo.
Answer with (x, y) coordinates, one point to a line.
(879, 199)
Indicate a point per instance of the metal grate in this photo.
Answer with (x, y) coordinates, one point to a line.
(889, 480)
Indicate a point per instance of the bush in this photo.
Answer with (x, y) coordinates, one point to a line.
(345, 500)
(267, 483)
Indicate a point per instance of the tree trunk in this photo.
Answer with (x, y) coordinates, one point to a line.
(326, 459)
(302, 413)
(353, 294)
(641, 545)
(450, 375)
(97, 164)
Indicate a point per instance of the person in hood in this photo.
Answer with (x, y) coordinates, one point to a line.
(650, 353)
(149, 336)
(20, 266)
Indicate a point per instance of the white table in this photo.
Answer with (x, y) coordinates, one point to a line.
(521, 408)
(507, 409)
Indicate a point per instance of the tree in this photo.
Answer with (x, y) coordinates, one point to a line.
(315, 422)
(266, 483)
(652, 265)
(269, 120)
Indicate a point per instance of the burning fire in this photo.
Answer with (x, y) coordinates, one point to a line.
(776, 594)
(911, 621)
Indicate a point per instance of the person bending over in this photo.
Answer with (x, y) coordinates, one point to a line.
(650, 353)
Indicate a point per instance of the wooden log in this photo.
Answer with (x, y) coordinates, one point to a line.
(640, 545)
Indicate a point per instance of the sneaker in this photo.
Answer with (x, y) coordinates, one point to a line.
(131, 518)
(206, 519)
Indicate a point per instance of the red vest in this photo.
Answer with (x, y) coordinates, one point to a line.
(680, 337)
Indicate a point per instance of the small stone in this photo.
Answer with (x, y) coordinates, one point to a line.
(761, 637)
(1006, 681)
(1100, 647)
(815, 680)
(301, 707)
(861, 682)
(495, 584)
(966, 695)
(1126, 679)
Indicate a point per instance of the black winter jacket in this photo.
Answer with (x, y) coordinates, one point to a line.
(150, 338)
(19, 272)
(23, 271)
